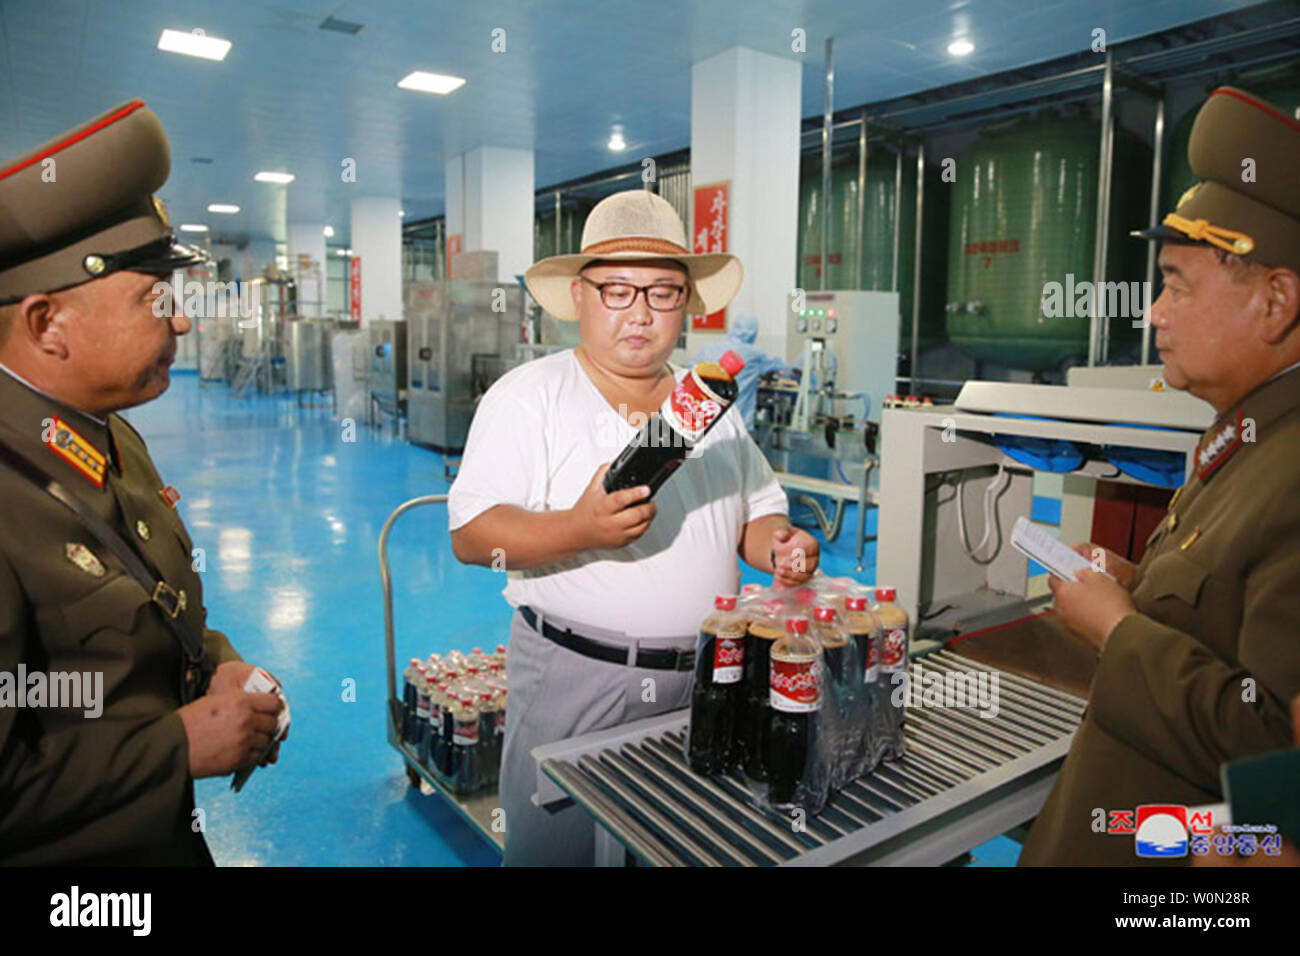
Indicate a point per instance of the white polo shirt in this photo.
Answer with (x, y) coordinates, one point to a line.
(538, 436)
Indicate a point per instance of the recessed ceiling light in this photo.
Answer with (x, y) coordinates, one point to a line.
(329, 232)
(961, 47)
(616, 141)
(438, 83)
(225, 208)
(271, 177)
(193, 227)
(194, 43)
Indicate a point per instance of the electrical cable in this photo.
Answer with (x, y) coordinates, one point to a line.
(991, 494)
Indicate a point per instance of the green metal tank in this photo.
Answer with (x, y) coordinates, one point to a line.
(876, 254)
(1279, 85)
(1023, 215)
(573, 215)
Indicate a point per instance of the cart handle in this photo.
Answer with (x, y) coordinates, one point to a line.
(386, 582)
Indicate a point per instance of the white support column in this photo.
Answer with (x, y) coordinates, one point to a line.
(308, 239)
(745, 110)
(490, 205)
(377, 241)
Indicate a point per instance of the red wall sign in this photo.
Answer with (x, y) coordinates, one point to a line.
(710, 236)
(354, 288)
(453, 250)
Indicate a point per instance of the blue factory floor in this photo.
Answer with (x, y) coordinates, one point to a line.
(288, 514)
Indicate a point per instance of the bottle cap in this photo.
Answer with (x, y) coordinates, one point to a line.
(805, 595)
(886, 594)
(476, 650)
(751, 589)
(485, 695)
(796, 625)
(501, 648)
(725, 602)
(415, 662)
(824, 613)
(732, 362)
(856, 603)
(430, 680)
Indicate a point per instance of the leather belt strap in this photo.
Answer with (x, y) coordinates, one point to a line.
(659, 659)
(160, 592)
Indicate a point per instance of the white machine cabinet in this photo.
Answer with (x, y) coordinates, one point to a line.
(927, 454)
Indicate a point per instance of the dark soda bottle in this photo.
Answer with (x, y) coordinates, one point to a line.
(465, 756)
(893, 662)
(693, 407)
(795, 701)
(751, 731)
(864, 630)
(716, 696)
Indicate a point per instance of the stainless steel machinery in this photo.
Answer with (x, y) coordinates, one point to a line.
(308, 365)
(386, 340)
(462, 338)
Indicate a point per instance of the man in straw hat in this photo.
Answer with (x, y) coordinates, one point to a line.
(609, 589)
(1199, 647)
(114, 694)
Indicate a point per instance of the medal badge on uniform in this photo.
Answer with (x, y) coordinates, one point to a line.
(84, 558)
(65, 442)
(169, 495)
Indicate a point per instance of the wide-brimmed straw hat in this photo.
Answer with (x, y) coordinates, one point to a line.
(636, 224)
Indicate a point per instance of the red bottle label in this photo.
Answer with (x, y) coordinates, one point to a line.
(895, 652)
(465, 733)
(873, 660)
(692, 407)
(501, 722)
(728, 659)
(796, 685)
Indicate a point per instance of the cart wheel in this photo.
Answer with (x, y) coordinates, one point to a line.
(412, 776)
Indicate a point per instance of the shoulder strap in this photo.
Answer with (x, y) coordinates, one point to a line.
(159, 591)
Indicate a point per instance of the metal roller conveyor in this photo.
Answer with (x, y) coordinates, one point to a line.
(966, 776)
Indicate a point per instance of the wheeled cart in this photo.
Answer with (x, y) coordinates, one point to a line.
(476, 809)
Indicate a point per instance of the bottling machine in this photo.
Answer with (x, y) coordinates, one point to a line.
(463, 335)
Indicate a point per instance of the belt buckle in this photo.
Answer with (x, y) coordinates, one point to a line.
(685, 660)
(165, 596)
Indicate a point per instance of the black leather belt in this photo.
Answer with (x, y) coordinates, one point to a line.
(659, 659)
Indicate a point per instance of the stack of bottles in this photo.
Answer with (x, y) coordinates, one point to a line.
(794, 688)
(454, 716)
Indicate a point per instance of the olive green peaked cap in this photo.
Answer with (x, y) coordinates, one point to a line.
(1247, 154)
(82, 206)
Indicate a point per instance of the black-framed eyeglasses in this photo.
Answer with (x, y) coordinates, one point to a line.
(660, 297)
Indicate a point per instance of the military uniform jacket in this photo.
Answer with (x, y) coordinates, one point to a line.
(1203, 674)
(112, 789)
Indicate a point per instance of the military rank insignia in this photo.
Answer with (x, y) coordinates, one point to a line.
(170, 495)
(1218, 448)
(65, 442)
(84, 558)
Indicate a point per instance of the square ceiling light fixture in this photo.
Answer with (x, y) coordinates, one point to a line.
(280, 179)
(194, 43)
(439, 83)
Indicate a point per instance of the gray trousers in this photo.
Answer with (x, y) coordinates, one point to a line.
(555, 694)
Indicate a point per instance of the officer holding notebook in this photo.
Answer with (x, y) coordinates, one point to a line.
(1200, 651)
(114, 694)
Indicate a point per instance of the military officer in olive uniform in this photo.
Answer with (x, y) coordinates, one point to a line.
(1200, 643)
(83, 244)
